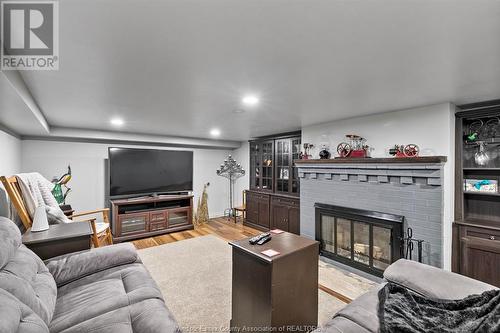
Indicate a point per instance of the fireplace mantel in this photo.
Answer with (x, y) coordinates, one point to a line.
(381, 170)
(381, 160)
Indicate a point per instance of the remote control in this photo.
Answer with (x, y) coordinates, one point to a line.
(264, 240)
(256, 239)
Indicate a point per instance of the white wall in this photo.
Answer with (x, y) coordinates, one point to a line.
(242, 156)
(10, 163)
(431, 128)
(87, 161)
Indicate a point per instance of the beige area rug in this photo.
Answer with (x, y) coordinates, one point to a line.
(194, 276)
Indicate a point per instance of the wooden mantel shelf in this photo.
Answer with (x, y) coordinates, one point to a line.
(389, 160)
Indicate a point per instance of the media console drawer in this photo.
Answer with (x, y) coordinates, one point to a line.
(158, 216)
(154, 226)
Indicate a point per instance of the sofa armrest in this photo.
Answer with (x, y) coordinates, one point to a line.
(433, 282)
(73, 266)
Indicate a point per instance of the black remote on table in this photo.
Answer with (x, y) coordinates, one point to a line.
(264, 240)
(256, 239)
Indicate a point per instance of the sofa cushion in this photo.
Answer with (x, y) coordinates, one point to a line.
(100, 293)
(23, 273)
(15, 317)
(433, 282)
(74, 266)
(342, 325)
(363, 310)
(136, 280)
(148, 316)
(87, 302)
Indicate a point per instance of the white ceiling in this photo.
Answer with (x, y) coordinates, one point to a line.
(15, 114)
(180, 67)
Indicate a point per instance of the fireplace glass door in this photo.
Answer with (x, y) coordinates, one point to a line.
(343, 245)
(381, 247)
(356, 243)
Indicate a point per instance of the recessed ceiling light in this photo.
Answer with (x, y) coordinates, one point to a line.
(215, 132)
(250, 100)
(117, 122)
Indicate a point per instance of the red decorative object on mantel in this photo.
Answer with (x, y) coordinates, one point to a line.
(400, 151)
(355, 148)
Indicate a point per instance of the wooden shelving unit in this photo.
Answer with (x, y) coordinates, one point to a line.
(150, 216)
(476, 230)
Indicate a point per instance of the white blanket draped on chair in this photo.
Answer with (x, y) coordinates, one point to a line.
(37, 191)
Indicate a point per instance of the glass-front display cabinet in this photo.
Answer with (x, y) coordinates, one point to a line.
(261, 165)
(272, 165)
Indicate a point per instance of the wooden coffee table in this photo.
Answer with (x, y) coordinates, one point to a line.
(277, 293)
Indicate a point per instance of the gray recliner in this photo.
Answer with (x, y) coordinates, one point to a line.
(361, 316)
(103, 290)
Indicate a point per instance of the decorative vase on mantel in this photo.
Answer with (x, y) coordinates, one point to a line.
(324, 154)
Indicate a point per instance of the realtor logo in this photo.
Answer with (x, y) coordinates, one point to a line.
(30, 35)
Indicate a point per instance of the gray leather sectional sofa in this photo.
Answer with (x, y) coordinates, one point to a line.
(102, 290)
(360, 316)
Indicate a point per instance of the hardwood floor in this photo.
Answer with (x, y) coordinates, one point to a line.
(221, 227)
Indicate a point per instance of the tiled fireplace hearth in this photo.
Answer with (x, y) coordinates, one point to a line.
(406, 190)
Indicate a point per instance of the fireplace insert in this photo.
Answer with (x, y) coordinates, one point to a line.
(366, 240)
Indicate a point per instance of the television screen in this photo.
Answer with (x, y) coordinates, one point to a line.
(147, 171)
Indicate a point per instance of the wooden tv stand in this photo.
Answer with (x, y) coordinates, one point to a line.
(150, 216)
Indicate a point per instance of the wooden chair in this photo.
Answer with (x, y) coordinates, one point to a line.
(242, 208)
(101, 231)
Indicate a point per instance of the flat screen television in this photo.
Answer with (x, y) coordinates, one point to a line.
(149, 171)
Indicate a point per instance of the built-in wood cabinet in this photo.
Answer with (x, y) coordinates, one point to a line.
(480, 254)
(273, 199)
(476, 230)
(285, 213)
(258, 209)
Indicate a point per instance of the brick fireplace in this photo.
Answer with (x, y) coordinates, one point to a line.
(407, 189)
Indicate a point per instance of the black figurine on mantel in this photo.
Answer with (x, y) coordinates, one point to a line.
(324, 154)
(231, 170)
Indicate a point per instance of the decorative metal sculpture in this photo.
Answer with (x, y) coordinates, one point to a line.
(231, 170)
(58, 184)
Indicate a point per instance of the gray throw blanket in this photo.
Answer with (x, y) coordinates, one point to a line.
(402, 310)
